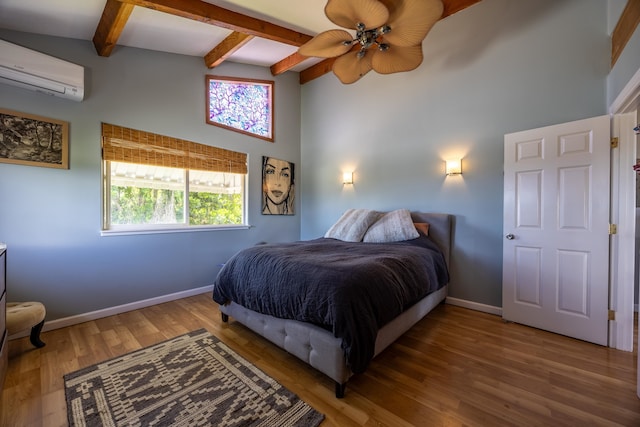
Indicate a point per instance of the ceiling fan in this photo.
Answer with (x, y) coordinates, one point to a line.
(388, 38)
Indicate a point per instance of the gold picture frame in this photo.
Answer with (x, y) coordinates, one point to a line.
(27, 139)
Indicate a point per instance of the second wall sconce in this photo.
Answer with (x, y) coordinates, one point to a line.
(347, 178)
(453, 167)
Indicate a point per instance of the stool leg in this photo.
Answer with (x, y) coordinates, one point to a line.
(35, 335)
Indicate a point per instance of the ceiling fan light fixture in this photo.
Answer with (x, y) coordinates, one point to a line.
(397, 59)
(328, 44)
(348, 13)
(411, 20)
(395, 27)
(351, 67)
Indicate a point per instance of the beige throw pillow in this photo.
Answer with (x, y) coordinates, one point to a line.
(352, 225)
(394, 226)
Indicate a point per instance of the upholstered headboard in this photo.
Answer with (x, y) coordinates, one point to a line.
(440, 229)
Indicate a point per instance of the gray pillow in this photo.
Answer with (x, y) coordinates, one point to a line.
(394, 226)
(352, 225)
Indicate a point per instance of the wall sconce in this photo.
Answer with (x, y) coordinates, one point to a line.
(347, 178)
(453, 167)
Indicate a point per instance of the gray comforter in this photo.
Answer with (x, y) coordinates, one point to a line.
(351, 289)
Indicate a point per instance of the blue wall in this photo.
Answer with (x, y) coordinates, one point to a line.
(497, 67)
(51, 218)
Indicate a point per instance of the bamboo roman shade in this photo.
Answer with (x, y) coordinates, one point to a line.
(120, 144)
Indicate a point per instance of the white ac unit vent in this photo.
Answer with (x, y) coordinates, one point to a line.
(33, 70)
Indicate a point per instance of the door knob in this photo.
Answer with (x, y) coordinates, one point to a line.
(510, 236)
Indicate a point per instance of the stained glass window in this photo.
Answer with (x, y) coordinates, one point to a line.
(241, 105)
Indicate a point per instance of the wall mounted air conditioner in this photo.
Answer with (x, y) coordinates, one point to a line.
(33, 70)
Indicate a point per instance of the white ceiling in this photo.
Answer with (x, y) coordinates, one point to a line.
(149, 29)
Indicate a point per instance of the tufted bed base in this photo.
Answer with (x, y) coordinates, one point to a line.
(318, 347)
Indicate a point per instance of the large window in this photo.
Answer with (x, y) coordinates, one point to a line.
(153, 182)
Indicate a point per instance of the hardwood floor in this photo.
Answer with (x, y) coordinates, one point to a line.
(455, 367)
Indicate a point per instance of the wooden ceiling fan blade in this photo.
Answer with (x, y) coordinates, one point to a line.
(349, 13)
(327, 44)
(397, 59)
(411, 20)
(349, 68)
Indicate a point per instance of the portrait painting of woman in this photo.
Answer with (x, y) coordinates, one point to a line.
(278, 186)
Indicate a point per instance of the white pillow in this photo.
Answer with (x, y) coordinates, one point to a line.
(352, 225)
(394, 226)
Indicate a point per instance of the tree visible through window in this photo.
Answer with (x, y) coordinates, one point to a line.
(153, 195)
(154, 182)
(244, 106)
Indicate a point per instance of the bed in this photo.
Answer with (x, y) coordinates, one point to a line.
(300, 295)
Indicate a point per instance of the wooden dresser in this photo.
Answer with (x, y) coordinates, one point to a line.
(4, 353)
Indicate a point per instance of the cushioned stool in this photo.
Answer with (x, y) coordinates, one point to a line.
(25, 315)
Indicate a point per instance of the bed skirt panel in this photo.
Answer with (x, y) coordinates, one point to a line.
(309, 343)
(318, 347)
(398, 326)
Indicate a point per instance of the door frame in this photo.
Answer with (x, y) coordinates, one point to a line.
(623, 213)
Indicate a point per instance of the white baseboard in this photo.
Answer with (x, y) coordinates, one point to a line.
(98, 314)
(475, 306)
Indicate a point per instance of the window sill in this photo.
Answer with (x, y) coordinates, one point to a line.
(168, 230)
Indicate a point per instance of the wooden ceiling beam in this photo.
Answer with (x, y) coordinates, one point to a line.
(626, 26)
(317, 70)
(208, 13)
(226, 48)
(114, 17)
(117, 12)
(455, 6)
(324, 67)
(287, 63)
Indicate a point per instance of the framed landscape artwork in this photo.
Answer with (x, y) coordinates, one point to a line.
(27, 139)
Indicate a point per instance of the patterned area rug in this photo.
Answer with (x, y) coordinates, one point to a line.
(190, 380)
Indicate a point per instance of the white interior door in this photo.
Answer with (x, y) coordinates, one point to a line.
(556, 227)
